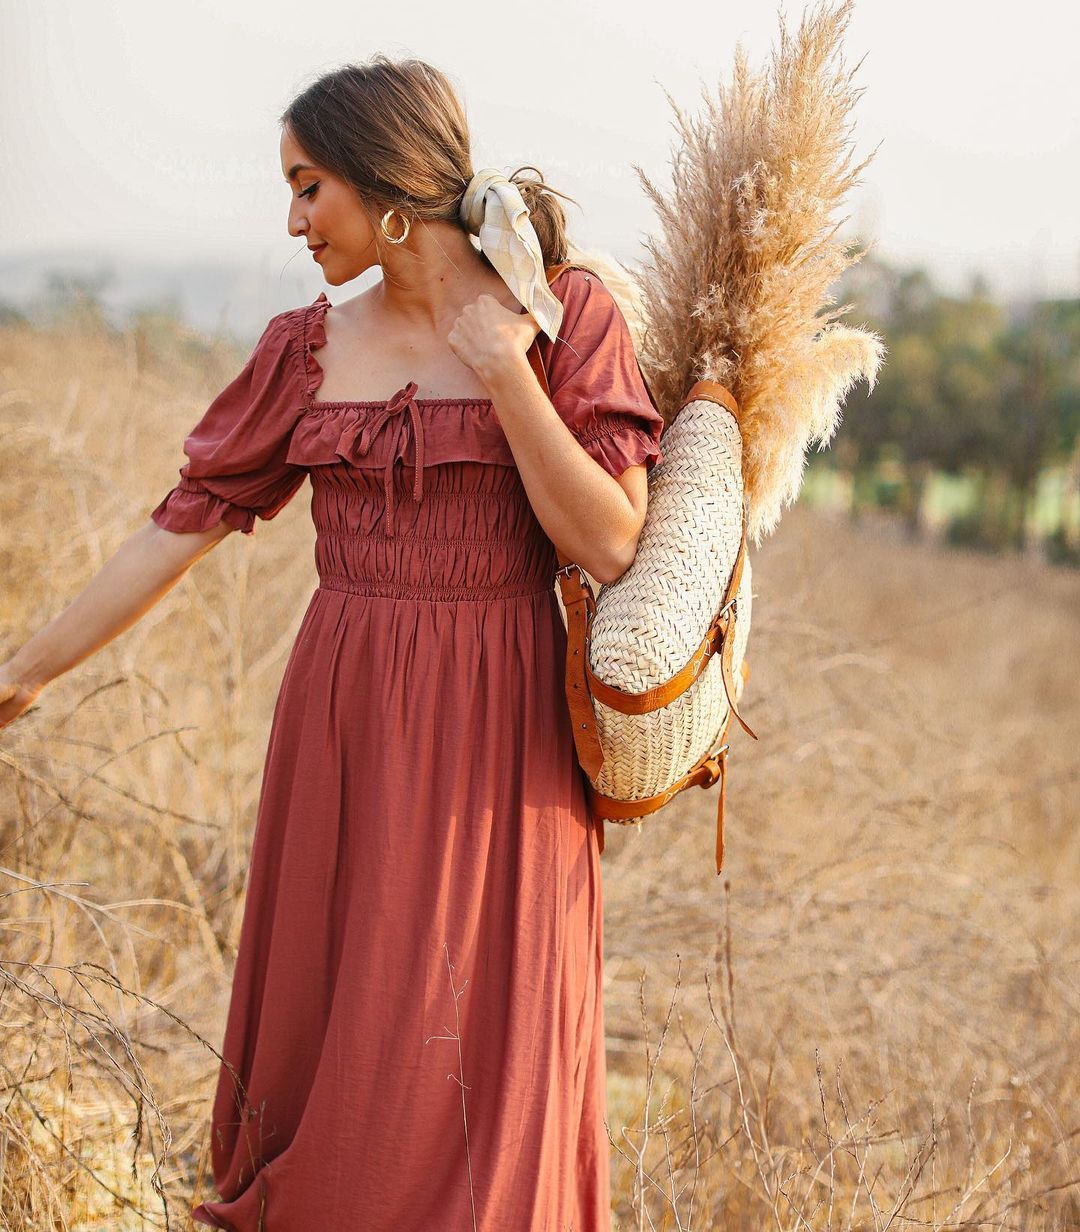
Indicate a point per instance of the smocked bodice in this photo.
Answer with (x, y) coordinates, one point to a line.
(465, 530)
(416, 497)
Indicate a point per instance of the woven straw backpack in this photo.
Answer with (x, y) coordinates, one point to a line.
(655, 662)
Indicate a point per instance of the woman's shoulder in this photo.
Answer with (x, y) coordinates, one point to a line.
(291, 321)
(290, 340)
(585, 297)
(286, 332)
(279, 375)
(303, 319)
(591, 313)
(353, 309)
(574, 280)
(358, 316)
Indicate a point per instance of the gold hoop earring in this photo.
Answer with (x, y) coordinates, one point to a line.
(395, 239)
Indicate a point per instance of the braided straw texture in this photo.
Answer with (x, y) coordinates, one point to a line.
(650, 621)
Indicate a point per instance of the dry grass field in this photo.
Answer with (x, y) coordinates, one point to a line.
(871, 1020)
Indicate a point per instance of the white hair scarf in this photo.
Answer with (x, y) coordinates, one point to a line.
(494, 209)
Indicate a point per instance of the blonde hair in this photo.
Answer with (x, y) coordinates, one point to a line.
(396, 131)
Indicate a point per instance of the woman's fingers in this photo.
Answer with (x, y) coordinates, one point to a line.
(15, 699)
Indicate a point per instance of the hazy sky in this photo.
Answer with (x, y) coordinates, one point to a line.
(151, 129)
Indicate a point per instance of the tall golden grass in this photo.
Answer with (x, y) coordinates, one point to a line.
(870, 1022)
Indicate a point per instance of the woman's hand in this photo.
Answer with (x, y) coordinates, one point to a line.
(490, 338)
(15, 696)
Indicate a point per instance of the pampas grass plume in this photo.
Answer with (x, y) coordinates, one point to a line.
(736, 285)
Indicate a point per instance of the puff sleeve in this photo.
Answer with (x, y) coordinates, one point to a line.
(594, 380)
(236, 468)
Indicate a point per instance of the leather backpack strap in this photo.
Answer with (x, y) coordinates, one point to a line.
(580, 606)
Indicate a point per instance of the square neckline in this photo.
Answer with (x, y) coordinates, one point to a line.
(321, 303)
(342, 403)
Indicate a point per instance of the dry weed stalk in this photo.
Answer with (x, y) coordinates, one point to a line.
(55, 1108)
(799, 1186)
(459, 1077)
(736, 287)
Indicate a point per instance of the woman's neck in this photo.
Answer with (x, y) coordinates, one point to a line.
(427, 287)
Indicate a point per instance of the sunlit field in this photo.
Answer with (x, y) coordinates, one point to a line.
(870, 1020)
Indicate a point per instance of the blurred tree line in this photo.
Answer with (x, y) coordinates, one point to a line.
(975, 399)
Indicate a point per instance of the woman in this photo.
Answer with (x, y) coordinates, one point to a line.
(424, 897)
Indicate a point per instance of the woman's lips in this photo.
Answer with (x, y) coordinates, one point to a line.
(317, 252)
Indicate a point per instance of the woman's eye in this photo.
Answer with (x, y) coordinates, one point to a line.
(309, 191)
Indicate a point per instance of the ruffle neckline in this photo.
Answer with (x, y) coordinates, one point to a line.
(463, 430)
(352, 431)
(310, 334)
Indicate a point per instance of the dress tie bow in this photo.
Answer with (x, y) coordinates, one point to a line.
(404, 399)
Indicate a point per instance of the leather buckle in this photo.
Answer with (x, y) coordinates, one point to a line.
(713, 765)
(569, 569)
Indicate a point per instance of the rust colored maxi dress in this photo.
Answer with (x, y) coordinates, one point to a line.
(421, 803)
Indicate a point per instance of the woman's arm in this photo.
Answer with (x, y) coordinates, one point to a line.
(592, 517)
(145, 566)
(581, 451)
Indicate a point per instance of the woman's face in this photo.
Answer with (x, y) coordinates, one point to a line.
(326, 212)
